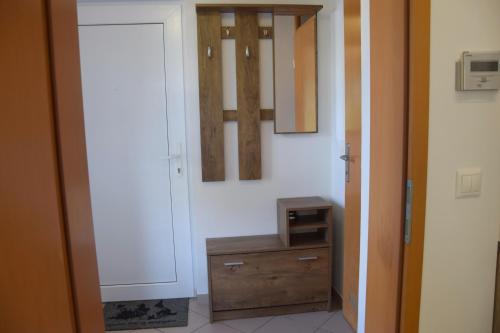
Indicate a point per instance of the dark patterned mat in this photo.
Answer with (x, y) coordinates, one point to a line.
(158, 313)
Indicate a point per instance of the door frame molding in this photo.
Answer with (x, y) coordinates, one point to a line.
(72, 160)
(407, 156)
(170, 16)
(418, 133)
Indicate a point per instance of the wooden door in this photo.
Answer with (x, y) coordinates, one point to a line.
(418, 132)
(388, 144)
(35, 285)
(352, 41)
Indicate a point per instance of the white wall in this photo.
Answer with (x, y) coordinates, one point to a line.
(292, 165)
(461, 234)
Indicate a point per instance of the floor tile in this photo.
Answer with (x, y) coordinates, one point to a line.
(285, 325)
(216, 328)
(314, 319)
(200, 305)
(195, 321)
(337, 324)
(247, 325)
(320, 330)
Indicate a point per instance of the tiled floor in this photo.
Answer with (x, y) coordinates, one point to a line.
(313, 322)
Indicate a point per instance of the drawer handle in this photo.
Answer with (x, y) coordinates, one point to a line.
(307, 258)
(238, 263)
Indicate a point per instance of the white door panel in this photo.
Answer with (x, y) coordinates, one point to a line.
(131, 60)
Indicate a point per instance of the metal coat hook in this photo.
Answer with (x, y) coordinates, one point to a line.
(247, 52)
(209, 52)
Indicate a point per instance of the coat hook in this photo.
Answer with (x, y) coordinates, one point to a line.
(209, 52)
(227, 31)
(247, 52)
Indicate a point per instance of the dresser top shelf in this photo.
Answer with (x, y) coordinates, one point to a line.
(251, 244)
(304, 203)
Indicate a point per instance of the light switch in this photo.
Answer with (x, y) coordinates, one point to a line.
(468, 182)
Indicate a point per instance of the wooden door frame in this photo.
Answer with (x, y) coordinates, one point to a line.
(73, 172)
(418, 132)
(399, 145)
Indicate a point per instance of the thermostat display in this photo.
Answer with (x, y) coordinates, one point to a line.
(478, 71)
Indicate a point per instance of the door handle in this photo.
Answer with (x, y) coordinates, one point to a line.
(230, 264)
(307, 258)
(347, 159)
(175, 157)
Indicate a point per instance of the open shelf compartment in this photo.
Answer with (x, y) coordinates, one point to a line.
(304, 221)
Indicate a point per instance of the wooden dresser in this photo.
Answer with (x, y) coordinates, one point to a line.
(264, 275)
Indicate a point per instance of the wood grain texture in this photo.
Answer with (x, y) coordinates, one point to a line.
(248, 95)
(496, 313)
(352, 211)
(73, 165)
(35, 284)
(316, 214)
(269, 311)
(265, 115)
(227, 32)
(210, 91)
(261, 8)
(418, 132)
(269, 279)
(250, 244)
(388, 145)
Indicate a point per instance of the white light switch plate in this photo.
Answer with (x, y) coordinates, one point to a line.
(468, 182)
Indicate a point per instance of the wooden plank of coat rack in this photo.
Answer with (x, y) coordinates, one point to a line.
(264, 32)
(248, 94)
(210, 86)
(265, 114)
(261, 8)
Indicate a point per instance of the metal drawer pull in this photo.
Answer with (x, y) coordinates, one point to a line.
(239, 263)
(307, 258)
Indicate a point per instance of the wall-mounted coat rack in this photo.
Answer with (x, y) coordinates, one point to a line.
(249, 114)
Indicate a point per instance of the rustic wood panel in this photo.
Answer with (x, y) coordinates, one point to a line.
(389, 105)
(210, 86)
(418, 132)
(261, 8)
(265, 114)
(35, 278)
(251, 244)
(248, 95)
(269, 311)
(274, 279)
(352, 212)
(228, 32)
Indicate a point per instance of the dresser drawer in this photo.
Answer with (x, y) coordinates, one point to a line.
(245, 281)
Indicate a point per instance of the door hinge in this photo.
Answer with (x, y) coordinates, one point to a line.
(408, 210)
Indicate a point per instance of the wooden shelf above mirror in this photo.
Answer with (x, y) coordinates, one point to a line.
(277, 9)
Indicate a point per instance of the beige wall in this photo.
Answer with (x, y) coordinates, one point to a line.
(461, 234)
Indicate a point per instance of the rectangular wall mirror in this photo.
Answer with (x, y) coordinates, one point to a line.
(295, 74)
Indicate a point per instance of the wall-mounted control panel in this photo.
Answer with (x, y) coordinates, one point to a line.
(478, 71)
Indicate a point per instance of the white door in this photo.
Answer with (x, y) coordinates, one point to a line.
(135, 153)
